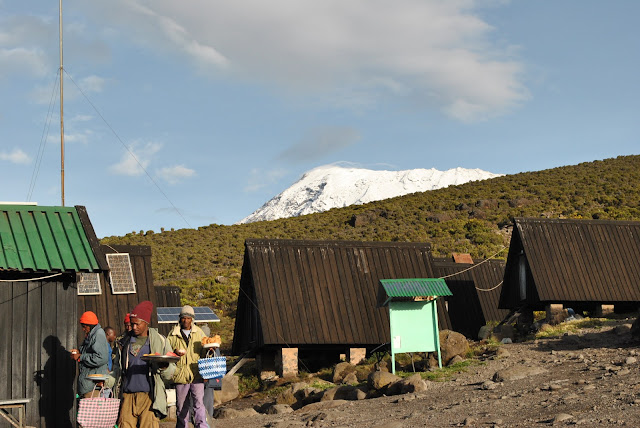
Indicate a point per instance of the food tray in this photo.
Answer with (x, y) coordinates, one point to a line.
(211, 345)
(160, 358)
(97, 377)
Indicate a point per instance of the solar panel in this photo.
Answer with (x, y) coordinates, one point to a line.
(120, 274)
(89, 284)
(172, 314)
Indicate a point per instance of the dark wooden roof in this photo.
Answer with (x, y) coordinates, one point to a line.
(573, 261)
(321, 292)
(470, 308)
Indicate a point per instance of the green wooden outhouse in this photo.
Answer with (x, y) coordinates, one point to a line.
(413, 314)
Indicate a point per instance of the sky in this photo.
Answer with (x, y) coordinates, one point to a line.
(184, 114)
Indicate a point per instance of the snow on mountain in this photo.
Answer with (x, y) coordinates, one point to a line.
(333, 186)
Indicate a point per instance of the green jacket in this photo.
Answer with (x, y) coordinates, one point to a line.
(187, 368)
(159, 344)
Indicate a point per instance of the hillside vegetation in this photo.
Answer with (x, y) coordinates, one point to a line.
(471, 218)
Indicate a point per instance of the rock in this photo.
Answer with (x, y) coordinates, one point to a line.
(221, 279)
(323, 405)
(350, 379)
(635, 328)
(456, 359)
(228, 392)
(630, 360)
(226, 413)
(502, 352)
(469, 422)
(413, 383)
(341, 370)
(378, 380)
(561, 417)
(506, 340)
(358, 394)
(517, 372)
(452, 344)
(484, 332)
(622, 329)
(286, 397)
(344, 392)
(488, 385)
(278, 409)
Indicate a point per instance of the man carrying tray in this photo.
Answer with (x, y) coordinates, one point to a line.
(186, 340)
(144, 397)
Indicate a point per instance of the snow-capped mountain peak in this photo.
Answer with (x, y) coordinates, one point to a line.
(333, 186)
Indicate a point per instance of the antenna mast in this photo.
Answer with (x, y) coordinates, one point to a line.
(61, 112)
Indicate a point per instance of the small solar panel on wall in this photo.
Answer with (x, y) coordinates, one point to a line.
(120, 274)
(89, 284)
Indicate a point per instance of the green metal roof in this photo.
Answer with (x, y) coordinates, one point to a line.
(415, 287)
(39, 238)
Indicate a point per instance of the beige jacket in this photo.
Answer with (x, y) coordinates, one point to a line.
(187, 367)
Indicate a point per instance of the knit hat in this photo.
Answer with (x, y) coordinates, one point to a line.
(89, 318)
(187, 311)
(143, 311)
(127, 318)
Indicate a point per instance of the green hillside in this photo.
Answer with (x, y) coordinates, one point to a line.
(470, 218)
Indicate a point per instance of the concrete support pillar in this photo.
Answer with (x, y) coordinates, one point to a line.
(603, 310)
(287, 362)
(555, 313)
(357, 355)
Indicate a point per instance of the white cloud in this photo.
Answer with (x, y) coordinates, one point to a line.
(319, 143)
(135, 159)
(15, 156)
(259, 179)
(174, 174)
(22, 60)
(92, 83)
(437, 52)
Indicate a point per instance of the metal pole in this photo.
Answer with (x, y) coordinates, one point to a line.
(61, 111)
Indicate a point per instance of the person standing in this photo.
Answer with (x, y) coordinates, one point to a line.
(186, 340)
(144, 397)
(93, 355)
(114, 363)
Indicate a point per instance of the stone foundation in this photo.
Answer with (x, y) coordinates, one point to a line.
(287, 362)
(357, 355)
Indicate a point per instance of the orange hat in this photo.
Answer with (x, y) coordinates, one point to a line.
(127, 319)
(89, 318)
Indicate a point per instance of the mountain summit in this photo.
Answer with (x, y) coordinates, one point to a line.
(333, 186)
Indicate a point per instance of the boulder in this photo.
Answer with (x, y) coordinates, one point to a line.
(341, 370)
(339, 393)
(279, 409)
(484, 332)
(228, 392)
(225, 413)
(413, 383)
(350, 379)
(517, 372)
(452, 344)
(379, 380)
(456, 359)
(286, 397)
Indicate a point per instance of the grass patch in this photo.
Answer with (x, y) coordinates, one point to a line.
(569, 327)
(446, 373)
(248, 383)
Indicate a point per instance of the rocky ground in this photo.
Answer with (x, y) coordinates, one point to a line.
(589, 377)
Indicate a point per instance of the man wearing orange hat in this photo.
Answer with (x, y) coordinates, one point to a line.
(93, 355)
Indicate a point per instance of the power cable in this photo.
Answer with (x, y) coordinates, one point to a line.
(43, 141)
(128, 150)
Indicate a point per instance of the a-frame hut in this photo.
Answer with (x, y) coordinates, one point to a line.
(303, 298)
(476, 289)
(583, 264)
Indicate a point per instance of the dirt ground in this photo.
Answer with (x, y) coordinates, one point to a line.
(589, 377)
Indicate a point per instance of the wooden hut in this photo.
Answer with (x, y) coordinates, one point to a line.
(42, 249)
(320, 296)
(476, 291)
(52, 268)
(582, 264)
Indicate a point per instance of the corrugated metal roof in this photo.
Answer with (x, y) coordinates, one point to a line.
(44, 239)
(415, 287)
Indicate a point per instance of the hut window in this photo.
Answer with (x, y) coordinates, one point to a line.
(522, 277)
(120, 274)
(89, 284)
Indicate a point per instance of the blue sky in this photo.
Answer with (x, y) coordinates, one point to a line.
(226, 104)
